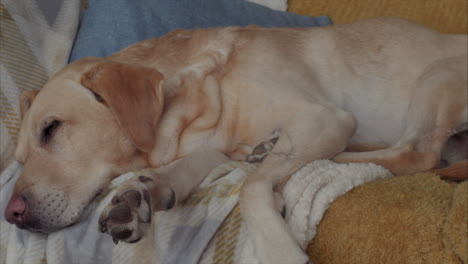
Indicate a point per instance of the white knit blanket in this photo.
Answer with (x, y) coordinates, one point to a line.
(206, 228)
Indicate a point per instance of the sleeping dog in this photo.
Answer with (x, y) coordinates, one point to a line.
(385, 91)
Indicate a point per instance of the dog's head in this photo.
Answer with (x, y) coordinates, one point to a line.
(91, 122)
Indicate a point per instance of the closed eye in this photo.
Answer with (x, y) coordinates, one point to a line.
(98, 97)
(49, 130)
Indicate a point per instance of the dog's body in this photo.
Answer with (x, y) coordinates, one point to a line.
(385, 85)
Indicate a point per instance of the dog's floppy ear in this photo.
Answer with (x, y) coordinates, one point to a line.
(134, 95)
(26, 100)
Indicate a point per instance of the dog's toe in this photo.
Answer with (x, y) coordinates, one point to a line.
(120, 214)
(132, 198)
(121, 234)
(122, 225)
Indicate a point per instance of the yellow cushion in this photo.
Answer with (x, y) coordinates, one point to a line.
(406, 219)
(449, 16)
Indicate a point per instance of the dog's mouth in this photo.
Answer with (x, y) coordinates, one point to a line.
(45, 219)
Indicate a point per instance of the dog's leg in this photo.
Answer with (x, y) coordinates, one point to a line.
(399, 159)
(315, 133)
(455, 172)
(418, 150)
(438, 106)
(154, 190)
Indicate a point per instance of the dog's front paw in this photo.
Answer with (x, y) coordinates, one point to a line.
(129, 210)
(129, 213)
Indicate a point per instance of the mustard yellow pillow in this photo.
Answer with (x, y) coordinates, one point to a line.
(448, 16)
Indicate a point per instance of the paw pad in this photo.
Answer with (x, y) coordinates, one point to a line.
(120, 214)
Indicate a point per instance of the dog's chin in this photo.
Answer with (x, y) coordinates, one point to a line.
(45, 227)
(36, 226)
(38, 223)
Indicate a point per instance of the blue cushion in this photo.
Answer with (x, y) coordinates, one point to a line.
(111, 25)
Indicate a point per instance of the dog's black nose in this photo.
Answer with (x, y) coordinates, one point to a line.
(15, 210)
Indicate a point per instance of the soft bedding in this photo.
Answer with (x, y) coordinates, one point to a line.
(207, 227)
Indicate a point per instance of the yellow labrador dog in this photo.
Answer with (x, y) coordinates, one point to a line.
(384, 91)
